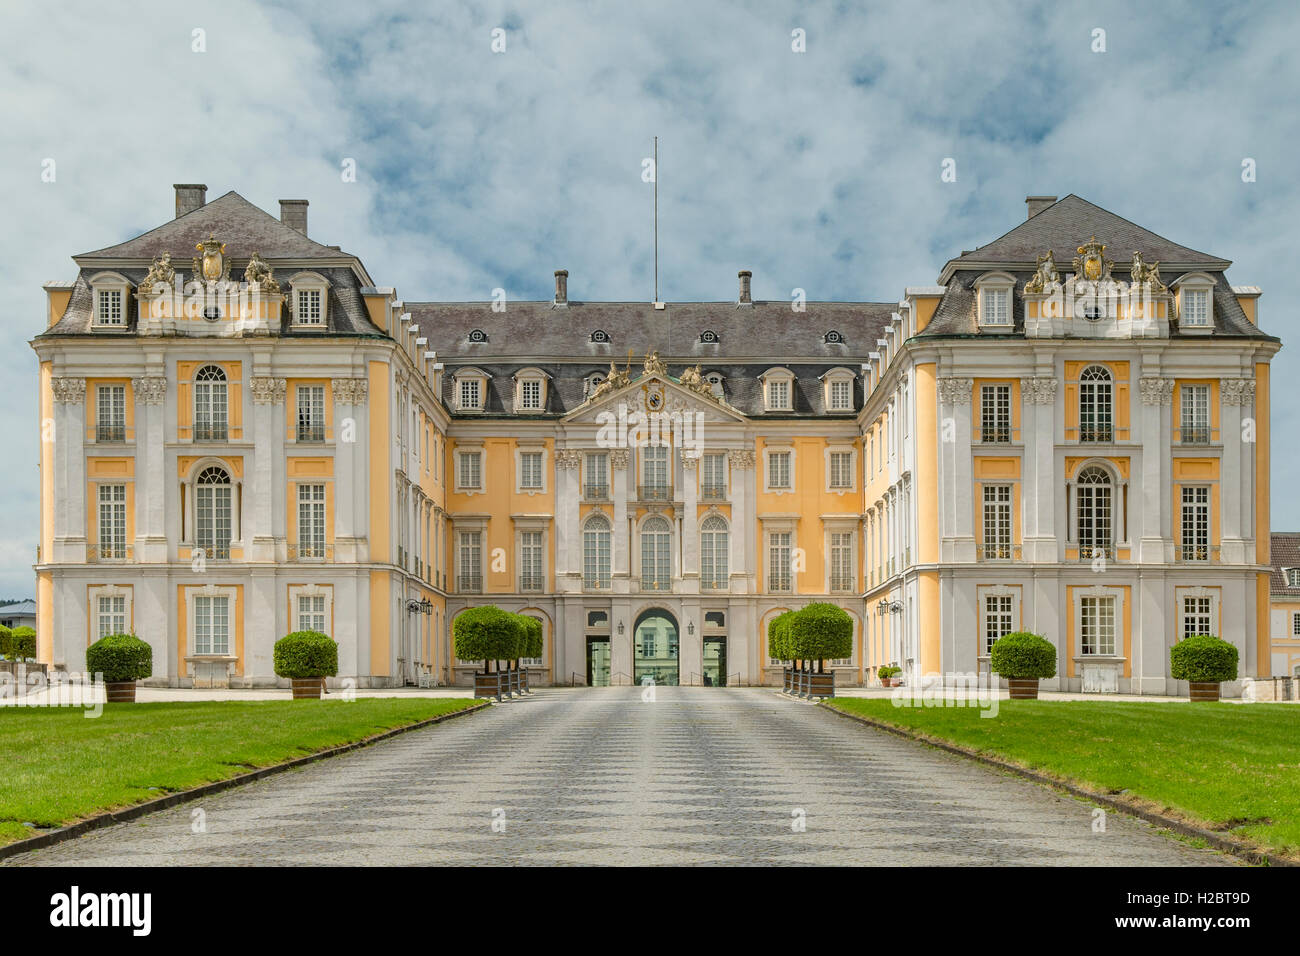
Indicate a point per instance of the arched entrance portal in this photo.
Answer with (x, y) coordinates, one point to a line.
(654, 640)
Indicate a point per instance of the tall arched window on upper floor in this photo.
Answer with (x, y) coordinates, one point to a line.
(714, 553)
(595, 552)
(656, 555)
(1095, 510)
(1096, 405)
(211, 404)
(212, 512)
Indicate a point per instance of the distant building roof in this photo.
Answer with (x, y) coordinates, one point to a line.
(1284, 552)
(21, 609)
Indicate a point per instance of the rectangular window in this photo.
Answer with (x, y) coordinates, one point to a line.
(997, 521)
(1196, 616)
(596, 477)
(841, 396)
(111, 616)
(1295, 625)
(996, 311)
(1196, 307)
(311, 413)
(309, 307)
(841, 469)
(778, 395)
(110, 413)
(778, 561)
(109, 311)
(654, 472)
(530, 470)
(311, 521)
(530, 561)
(470, 393)
(311, 613)
(1097, 625)
(1195, 402)
(649, 642)
(1195, 543)
(530, 394)
(112, 521)
(212, 625)
(997, 619)
(778, 469)
(841, 561)
(469, 565)
(713, 477)
(471, 471)
(995, 413)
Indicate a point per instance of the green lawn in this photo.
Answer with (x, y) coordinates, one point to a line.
(1230, 767)
(57, 766)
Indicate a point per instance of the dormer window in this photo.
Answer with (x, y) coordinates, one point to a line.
(833, 338)
(778, 390)
(309, 298)
(1195, 302)
(1292, 577)
(838, 385)
(600, 337)
(530, 390)
(994, 296)
(111, 291)
(709, 337)
(715, 382)
(478, 336)
(469, 388)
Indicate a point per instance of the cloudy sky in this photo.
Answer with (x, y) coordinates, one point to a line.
(478, 169)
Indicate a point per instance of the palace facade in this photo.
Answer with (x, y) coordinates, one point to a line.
(244, 434)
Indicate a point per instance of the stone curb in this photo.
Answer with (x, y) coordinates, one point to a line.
(82, 827)
(1111, 801)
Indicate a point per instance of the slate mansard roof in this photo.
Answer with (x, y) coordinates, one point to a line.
(1284, 552)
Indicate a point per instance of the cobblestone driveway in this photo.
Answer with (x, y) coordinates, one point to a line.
(599, 776)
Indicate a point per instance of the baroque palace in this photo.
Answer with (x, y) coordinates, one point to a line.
(244, 434)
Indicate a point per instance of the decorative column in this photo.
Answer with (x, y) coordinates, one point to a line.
(69, 470)
(690, 516)
(1236, 499)
(349, 393)
(956, 484)
(744, 528)
(619, 569)
(1038, 481)
(267, 393)
(1157, 398)
(568, 534)
(150, 479)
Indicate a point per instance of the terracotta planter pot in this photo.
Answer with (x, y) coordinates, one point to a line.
(306, 689)
(1023, 688)
(889, 682)
(1203, 691)
(120, 692)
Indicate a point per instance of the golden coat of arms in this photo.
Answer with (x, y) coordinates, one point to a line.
(1091, 262)
(213, 264)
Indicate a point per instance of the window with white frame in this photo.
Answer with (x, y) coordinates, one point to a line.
(469, 394)
(841, 395)
(212, 513)
(1196, 307)
(998, 620)
(713, 476)
(778, 469)
(656, 555)
(469, 562)
(1195, 414)
(530, 561)
(308, 306)
(211, 405)
(1095, 405)
(994, 294)
(654, 471)
(211, 625)
(841, 561)
(312, 613)
(311, 521)
(530, 470)
(112, 521)
(469, 470)
(995, 413)
(1292, 577)
(779, 544)
(596, 476)
(1097, 626)
(714, 553)
(110, 413)
(110, 615)
(109, 307)
(1095, 529)
(596, 552)
(1197, 617)
(311, 413)
(997, 521)
(530, 394)
(841, 469)
(778, 395)
(1195, 542)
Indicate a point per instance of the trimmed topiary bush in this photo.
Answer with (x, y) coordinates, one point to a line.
(6, 641)
(121, 658)
(487, 633)
(1204, 659)
(22, 640)
(777, 636)
(820, 631)
(303, 655)
(532, 644)
(1021, 655)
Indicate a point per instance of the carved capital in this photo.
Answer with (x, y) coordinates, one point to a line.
(1038, 391)
(1156, 391)
(267, 390)
(568, 458)
(955, 391)
(150, 390)
(71, 391)
(618, 458)
(1237, 391)
(741, 458)
(690, 454)
(350, 391)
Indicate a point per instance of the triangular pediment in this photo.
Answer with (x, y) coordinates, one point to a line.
(654, 394)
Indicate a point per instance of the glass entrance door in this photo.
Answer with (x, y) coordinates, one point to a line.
(598, 662)
(715, 662)
(654, 649)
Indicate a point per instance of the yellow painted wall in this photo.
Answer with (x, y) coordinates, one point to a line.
(57, 300)
(925, 306)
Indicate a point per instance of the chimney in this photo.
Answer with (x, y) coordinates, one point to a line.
(561, 286)
(293, 213)
(1037, 204)
(745, 276)
(189, 197)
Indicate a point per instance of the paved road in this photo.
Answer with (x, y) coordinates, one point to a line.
(599, 776)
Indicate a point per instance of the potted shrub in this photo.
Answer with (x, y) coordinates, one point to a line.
(1023, 659)
(487, 633)
(6, 642)
(306, 658)
(1204, 661)
(122, 659)
(815, 633)
(889, 675)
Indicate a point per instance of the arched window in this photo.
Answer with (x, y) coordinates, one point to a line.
(210, 404)
(1095, 391)
(1095, 511)
(656, 552)
(212, 513)
(714, 552)
(595, 552)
